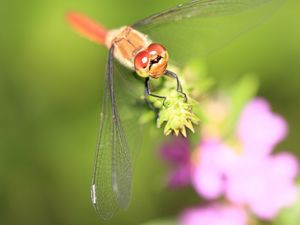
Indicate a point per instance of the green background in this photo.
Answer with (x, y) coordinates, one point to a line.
(50, 95)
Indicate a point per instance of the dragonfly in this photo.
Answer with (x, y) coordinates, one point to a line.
(189, 30)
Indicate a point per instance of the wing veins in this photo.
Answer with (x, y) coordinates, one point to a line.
(200, 8)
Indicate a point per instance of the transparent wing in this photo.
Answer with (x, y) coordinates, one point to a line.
(120, 136)
(198, 27)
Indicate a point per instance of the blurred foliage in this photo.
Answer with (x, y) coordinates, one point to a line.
(50, 93)
(162, 222)
(240, 93)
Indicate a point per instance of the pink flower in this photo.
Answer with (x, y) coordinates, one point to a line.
(214, 215)
(178, 154)
(246, 173)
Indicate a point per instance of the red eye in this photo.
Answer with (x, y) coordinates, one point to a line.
(141, 60)
(156, 49)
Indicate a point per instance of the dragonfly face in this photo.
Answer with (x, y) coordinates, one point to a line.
(152, 61)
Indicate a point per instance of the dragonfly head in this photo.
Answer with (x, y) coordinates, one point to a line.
(152, 61)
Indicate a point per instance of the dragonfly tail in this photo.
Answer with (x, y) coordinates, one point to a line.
(87, 27)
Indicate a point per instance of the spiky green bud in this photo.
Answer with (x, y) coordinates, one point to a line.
(177, 115)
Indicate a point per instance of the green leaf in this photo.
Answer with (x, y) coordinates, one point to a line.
(196, 78)
(147, 117)
(240, 94)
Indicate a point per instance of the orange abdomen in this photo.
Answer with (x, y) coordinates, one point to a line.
(87, 27)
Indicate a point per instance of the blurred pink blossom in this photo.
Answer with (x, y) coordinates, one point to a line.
(177, 152)
(265, 186)
(214, 214)
(245, 172)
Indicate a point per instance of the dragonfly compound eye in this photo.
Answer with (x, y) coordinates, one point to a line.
(158, 60)
(142, 63)
(156, 49)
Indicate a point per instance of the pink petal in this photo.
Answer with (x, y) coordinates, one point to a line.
(267, 206)
(176, 151)
(214, 215)
(285, 165)
(209, 175)
(207, 183)
(259, 129)
(266, 184)
(180, 177)
(244, 182)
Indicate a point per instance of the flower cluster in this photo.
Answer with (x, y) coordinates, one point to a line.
(241, 168)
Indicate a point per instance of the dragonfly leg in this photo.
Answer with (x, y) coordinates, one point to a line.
(148, 92)
(179, 87)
